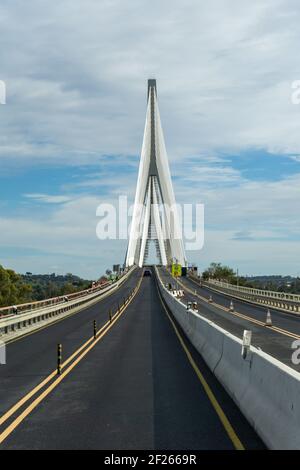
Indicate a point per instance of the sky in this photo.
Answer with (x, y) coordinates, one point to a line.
(71, 129)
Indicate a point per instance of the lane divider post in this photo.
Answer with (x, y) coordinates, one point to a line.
(59, 358)
(62, 371)
(95, 329)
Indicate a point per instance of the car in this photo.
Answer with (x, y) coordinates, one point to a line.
(147, 272)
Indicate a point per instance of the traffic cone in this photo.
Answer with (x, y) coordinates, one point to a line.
(268, 319)
(231, 307)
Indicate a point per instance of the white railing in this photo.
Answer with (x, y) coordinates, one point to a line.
(37, 305)
(278, 300)
(29, 306)
(51, 307)
(264, 293)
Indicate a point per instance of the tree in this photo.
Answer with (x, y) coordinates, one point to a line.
(17, 289)
(220, 272)
(12, 288)
(68, 288)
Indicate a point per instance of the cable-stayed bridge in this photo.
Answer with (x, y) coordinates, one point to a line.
(152, 362)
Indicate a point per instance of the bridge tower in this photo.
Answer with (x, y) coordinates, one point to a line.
(155, 214)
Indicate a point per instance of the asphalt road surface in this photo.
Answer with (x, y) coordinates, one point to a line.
(276, 340)
(135, 389)
(30, 359)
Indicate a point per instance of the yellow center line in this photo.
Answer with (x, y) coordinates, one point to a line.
(284, 332)
(218, 409)
(65, 317)
(46, 392)
(27, 397)
(241, 315)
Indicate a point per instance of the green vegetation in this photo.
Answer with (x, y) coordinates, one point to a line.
(222, 273)
(45, 286)
(287, 284)
(18, 288)
(13, 290)
(278, 283)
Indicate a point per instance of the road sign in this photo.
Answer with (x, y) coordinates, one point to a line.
(176, 270)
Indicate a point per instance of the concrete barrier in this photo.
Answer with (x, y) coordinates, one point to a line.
(266, 390)
(276, 300)
(40, 304)
(18, 325)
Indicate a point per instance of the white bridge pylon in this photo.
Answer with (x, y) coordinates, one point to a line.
(155, 214)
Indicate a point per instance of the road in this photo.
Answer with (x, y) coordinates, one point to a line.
(135, 389)
(31, 358)
(276, 340)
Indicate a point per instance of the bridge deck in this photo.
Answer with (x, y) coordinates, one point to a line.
(136, 389)
(275, 340)
(32, 358)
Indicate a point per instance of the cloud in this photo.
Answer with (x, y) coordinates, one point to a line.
(48, 199)
(242, 236)
(205, 175)
(250, 205)
(258, 256)
(76, 95)
(77, 85)
(66, 239)
(256, 237)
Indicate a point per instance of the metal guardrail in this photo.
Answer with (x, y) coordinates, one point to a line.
(277, 300)
(48, 309)
(29, 306)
